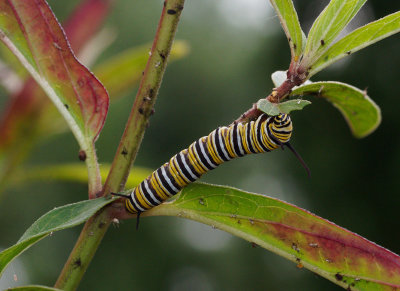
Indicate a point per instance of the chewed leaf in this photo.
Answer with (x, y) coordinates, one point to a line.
(332, 20)
(335, 253)
(358, 39)
(57, 219)
(273, 109)
(291, 105)
(361, 113)
(268, 107)
(32, 33)
(291, 25)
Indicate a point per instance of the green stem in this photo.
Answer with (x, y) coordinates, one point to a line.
(146, 96)
(94, 177)
(96, 227)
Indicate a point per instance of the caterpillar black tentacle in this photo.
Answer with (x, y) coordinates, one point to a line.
(221, 145)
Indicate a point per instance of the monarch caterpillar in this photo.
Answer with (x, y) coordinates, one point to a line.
(221, 145)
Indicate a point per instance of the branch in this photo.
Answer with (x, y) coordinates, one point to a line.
(295, 77)
(96, 227)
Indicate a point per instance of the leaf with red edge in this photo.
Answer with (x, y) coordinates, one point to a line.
(33, 34)
(76, 92)
(331, 251)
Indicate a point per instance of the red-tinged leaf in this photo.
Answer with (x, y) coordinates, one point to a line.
(29, 112)
(331, 251)
(77, 94)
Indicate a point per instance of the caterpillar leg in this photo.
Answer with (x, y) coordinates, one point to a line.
(127, 197)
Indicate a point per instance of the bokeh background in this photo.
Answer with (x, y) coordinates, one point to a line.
(235, 45)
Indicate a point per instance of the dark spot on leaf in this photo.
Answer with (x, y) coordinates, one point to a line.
(171, 11)
(239, 222)
(151, 92)
(339, 277)
(254, 245)
(348, 288)
(295, 247)
(201, 201)
(124, 151)
(294, 46)
(322, 42)
(140, 110)
(299, 264)
(101, 224)
(348, 52)
(66, 106)
(82, 155)
(77, 263)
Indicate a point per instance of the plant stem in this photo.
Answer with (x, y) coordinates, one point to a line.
(84, 250)
(295, 77)
(96, 227)
(146, 97)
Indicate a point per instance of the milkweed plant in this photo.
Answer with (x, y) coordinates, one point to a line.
(54, 84)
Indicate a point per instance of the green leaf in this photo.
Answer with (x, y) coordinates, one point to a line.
(33, 288)
(359, 39)
(63, 217)
(335, 253)
(273, 109)
(123, 71)
(360, 112)
(267, 107)
(291, 25)
(332, 20)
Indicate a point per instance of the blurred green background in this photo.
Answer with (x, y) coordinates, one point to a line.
(235, 46)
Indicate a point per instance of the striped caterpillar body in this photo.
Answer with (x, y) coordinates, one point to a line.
(223, 144)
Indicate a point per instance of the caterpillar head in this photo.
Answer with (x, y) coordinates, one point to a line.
(281, 127)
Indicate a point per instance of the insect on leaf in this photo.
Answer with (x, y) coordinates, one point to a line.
(312, 242)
